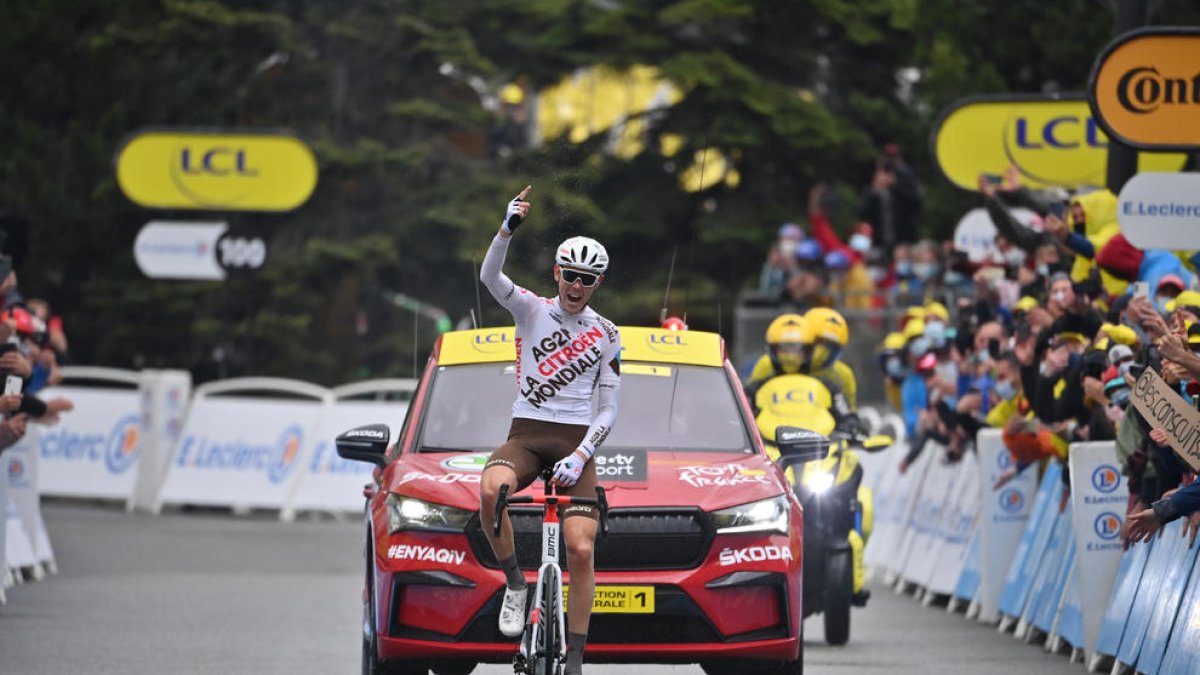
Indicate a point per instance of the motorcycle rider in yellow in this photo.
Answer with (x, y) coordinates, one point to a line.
(783, 394)
(829, 334)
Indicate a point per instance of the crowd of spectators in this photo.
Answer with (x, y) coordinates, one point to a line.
(1045, 342)
(1043, 338)
(33, 346)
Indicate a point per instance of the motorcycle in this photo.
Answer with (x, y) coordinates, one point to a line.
(838, 510)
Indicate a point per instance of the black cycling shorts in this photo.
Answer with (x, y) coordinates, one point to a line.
(534, 445)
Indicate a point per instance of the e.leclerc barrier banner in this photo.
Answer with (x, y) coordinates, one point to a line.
(1002, 518)
(1098, 497)
(331, 483)
(93, 451)
(240, 452)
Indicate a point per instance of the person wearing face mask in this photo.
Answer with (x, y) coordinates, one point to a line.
(781, 261)
(858, 284)
(891, 363)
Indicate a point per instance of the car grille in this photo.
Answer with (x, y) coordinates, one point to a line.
(638, 539)
(677, 620)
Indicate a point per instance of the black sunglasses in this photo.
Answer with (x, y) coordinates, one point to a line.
(585, 278)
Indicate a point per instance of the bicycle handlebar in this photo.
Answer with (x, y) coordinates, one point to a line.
(551, 498)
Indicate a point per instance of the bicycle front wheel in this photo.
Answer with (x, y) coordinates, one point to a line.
(550, 644)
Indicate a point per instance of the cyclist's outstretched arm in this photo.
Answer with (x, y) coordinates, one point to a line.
(510, 296)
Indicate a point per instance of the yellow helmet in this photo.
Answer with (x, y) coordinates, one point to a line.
(894, 342)
(937, 309)
(787, 329)
(826, 323)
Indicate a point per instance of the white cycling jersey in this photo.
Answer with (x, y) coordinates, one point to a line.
(562, 358)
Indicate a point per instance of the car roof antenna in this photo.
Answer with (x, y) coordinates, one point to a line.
(662, 316)
(478, 301)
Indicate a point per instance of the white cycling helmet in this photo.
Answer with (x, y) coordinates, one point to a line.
(582, 253)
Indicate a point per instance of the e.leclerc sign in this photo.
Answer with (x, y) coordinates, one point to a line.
(1051, 141)
(1145, 88)
(216, 171)
(1161, 210)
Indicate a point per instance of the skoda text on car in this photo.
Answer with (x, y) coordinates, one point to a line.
(702, 562)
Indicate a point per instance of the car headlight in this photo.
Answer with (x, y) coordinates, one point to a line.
(407, 513)
(768, 515)
(819, 482)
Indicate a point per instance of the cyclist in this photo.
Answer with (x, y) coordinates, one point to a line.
(566, 355)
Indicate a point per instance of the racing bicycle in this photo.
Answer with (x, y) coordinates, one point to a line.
(542, 650)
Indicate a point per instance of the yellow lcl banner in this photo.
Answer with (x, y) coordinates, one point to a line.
(1053, 142)
(1145, 89)
(216, 171)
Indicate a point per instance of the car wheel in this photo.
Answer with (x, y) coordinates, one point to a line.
(839, 588)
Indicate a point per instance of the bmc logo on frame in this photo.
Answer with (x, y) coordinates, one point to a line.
(1106, 478)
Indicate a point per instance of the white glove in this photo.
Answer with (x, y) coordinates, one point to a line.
(518, 208)
(568, 469)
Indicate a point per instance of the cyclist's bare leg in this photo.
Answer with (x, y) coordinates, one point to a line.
(493, 477)
(580, 534)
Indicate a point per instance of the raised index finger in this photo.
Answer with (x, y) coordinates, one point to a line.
(524, 193)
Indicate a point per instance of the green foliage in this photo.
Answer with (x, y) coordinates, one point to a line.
(409, 194)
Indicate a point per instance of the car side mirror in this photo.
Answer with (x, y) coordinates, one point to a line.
(365, 444)
(799, 446)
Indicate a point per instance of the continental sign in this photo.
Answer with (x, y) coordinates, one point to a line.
(1145, 89)
(216, 171)
(1051, 141)
(492, 345)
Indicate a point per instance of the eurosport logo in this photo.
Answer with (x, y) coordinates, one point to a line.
(666, 343)
(16, 473)
(1108, 526)
(1106, 478)
(117, 450)
(277, 460)
(492, 343)
(1011, 500)
(472, 462)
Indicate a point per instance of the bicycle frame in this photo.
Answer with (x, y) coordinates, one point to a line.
(548, 605)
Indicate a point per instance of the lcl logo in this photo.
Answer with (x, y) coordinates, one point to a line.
(490, 343)
(1063, 133)
(218, 161)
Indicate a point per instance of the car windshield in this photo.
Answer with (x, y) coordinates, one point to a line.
(662, 407)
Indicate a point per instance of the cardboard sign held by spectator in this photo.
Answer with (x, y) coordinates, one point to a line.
(1165, 409)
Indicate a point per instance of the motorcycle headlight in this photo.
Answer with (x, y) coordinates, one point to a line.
(768, 515)
(819, 482)
(407, 513)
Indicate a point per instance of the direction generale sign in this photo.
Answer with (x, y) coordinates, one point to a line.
(1145, 88)
(218, 171)
(1051, 141)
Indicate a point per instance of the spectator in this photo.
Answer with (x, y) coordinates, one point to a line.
(893, 201)
(781, 261)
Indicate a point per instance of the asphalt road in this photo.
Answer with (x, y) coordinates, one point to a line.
(214, 593)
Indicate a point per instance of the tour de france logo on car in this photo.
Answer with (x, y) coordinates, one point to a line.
(1011, 500)
(472, 462)
(666, 342)
(491, 343)
(121, 450)
(288, 449)
(1106, 478)
(1108, 525)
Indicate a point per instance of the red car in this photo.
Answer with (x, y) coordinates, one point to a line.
(702, 562)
